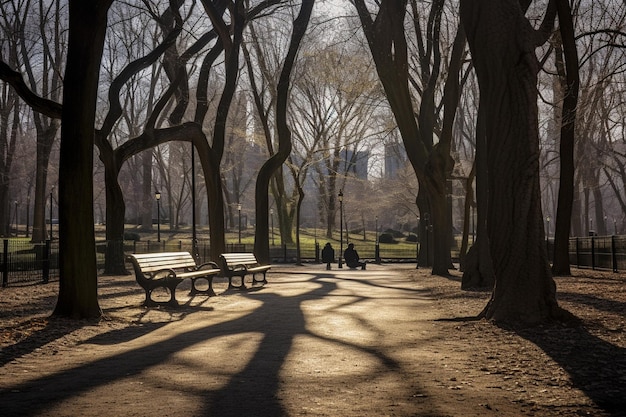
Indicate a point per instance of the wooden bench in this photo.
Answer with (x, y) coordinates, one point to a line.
(167, 270)
(240, 265)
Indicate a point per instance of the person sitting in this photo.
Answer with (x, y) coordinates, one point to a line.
(352, 257)
(328, 255)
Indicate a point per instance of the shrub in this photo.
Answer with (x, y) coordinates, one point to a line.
(386, 238)
(132, 236)
(395, 233)
(411, 238)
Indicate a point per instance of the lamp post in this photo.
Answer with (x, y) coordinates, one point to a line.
(272, 220)
(51, 190)
(548, 237)
(340, 228)
(27, 215)
(16, 219)
(427, 228)
(473, 227)
(194, 237)
(376, 232)
(157, 196)
(239, 211)
(417, 244)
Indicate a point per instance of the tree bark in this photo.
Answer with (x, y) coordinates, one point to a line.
(502, 43)
(261, 238)
(78, 284)
(561, 265)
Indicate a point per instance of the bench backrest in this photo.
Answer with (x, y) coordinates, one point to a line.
(151, 262)
(233, 259)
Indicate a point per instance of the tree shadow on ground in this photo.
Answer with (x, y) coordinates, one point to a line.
(252, 391)
(595, 366)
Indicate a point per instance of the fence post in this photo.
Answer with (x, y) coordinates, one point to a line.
(577, 253)
(46, 263)
(317, 252)
(377, 253)
(593, 252)
(285, 252)
(5, 264)
(613, 253)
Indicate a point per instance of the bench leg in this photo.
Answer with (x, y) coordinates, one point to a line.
(259, 281)
(172, 288)
(149, 302)
(240, 287)
(209, 291)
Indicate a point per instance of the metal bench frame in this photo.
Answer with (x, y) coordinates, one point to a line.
(167, 270)
(240, 265)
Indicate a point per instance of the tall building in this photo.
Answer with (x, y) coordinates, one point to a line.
(395, 159)
(356, 163)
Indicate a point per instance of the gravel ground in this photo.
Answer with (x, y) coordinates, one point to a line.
(389, 341)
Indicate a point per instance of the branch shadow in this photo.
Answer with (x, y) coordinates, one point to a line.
(595, 366)
(252, 391)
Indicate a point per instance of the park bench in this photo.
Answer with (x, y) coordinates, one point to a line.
(167, 270)
(240, 265)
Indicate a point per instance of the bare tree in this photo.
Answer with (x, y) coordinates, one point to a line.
(502, 43)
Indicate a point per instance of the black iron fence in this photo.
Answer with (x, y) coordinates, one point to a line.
(598, 252)
(22, 261)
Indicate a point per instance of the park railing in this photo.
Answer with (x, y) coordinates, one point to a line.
(598, 252)
(22, 261)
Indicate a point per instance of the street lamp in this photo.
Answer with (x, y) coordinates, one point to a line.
(340, 227)
(427, 228)
(157, 196)
(272, 220)
(27, 215)
(51, 190)
(16, 219)
(376, 235)
(417, 244)
(194, 236)
(239, 211)
(548, 234)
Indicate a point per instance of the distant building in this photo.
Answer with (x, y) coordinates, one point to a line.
(356, 163)
(395, 159)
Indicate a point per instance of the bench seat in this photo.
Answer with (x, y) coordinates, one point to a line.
(240, 265)
(167, 270)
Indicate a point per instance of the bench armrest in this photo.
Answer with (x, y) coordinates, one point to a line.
(210, 264)
(165, 271)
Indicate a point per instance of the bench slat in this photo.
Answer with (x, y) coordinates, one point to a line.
(178, 267)
(241, 264)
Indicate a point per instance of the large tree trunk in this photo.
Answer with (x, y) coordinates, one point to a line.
(261, 238)
(561, 264)
(45, 140)
(78, 284)
(115, 214)
(386, 38)
(502, 45)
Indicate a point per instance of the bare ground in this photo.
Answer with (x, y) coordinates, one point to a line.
(389, 341)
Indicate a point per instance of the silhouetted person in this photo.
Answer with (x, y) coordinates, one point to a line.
(352, 257)
(328, 254)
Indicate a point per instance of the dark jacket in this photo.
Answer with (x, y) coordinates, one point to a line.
(328, 254)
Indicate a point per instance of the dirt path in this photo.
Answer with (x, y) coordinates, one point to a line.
(310, 343)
